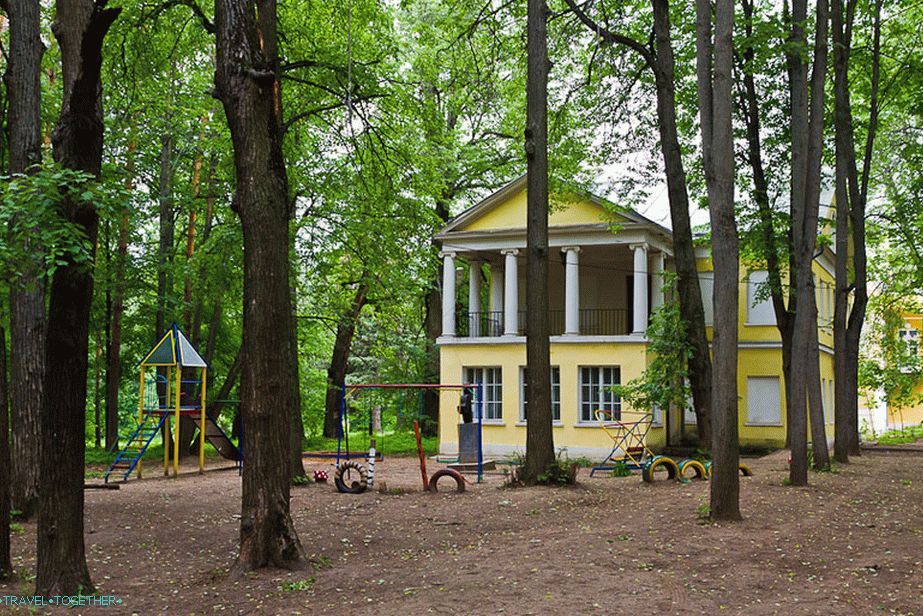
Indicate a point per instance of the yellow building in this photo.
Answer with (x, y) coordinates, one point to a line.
(601, 292)
(910, 334)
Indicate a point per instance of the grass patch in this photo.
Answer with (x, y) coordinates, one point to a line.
(389, 443)
(899, 437)
(101, 457)
(297, 585)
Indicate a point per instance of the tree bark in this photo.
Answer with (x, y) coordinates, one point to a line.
(851, 199)
(114, 350)
(247, 83)
(432, 325)
(821, 457)
(80, 27)
(687, 284)
(539, 436)
(27, 292)
(662, 63)
(808, 145)
(339, 362)
(6, 562)
(714, 64)
(785, 316)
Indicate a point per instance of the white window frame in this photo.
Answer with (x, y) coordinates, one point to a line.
(751, 380)
(758, 312)
(555, 395)
(707, 289)
(604, 399)
(911, 337)
(491, 380)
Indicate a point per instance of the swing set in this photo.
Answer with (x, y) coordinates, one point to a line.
(352, 391)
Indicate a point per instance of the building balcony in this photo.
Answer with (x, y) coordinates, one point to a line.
(593, 322)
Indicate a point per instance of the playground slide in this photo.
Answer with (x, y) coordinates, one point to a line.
(218, 439)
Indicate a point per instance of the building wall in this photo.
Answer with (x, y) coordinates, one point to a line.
(911, 416)
(509, 436)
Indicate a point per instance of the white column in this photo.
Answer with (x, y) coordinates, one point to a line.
(474, 298)
(640, 289)
(448, 294)
(571, 291)
(656, 280)
(510, 294)
(496, 300)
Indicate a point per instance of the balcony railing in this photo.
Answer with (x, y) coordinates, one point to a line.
(593, 322)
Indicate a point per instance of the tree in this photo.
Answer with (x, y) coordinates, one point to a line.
(714, 64)
(661, 62)
(336, 371)
(80, 27)
(6, 562)
(539, 437)
(247, 83)
(851, 198)
(807, 149)
(27, 291)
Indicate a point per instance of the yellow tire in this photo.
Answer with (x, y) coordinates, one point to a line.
(660, 464)
(745, 470)
(692, 469)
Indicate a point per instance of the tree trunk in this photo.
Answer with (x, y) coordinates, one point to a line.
(297, 433)
(714, 64)
(97, 390)
(27, 292)
(80, 26)
(191, 231)
(6, 562)
(539, 436)
(218, 401)
(821, 457)
(205, 286)
(246, 80)
(690, 295)
(751, 103)
(661, 63)
(805, 206)
(851, 195)
(114, 350)
(339, 362)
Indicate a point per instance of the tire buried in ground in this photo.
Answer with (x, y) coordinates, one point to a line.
(660, 463)
(351, 478)
(697, 469)
(745, 470)
(447, 472)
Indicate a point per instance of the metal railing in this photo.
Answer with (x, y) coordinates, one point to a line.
(593, 322)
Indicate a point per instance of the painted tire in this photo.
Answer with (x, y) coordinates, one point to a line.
(660, 462)
(707, 465)
(692, 469)
(745, 470)
(351, 470)
(447, 472)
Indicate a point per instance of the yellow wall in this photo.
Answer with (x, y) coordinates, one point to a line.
(511, 434)
(912, 416)
(512, 215)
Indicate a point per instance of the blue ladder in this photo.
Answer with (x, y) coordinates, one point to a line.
(136, 445)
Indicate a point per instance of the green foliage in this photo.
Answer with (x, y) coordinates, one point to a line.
(32, 208)
(298, 585)
(621, 470)
(395, 443)
(664, 383)
(898, 437)
(301, 480)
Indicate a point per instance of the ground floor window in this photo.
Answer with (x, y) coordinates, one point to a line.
(764, 401)
(596, 392)
(555, 393)
(491, 381)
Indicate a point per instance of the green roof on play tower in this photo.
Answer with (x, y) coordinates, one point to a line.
(174, 349)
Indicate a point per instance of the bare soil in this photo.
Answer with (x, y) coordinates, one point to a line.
(851, 543)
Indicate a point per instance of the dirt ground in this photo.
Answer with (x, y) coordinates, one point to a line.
(851, 543)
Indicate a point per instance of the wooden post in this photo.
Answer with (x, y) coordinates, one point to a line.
(416, 431)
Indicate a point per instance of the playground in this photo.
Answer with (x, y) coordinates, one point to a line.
(851, 543)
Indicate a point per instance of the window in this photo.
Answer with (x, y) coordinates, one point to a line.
(491, 382)
(555, 393)
(828, 409)
(764, 403)
(596, 394)
(759, 311)
(910, 338)
(706, 286)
